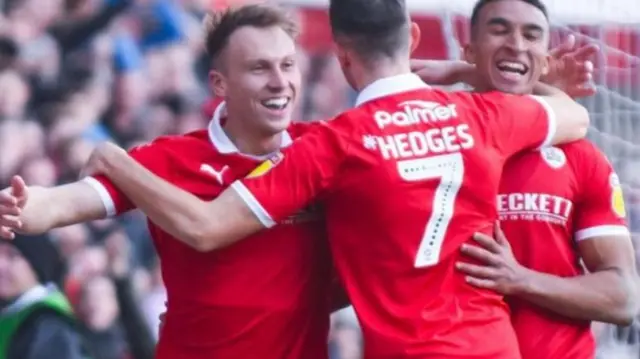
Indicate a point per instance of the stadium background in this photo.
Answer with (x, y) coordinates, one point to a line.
(77, 72)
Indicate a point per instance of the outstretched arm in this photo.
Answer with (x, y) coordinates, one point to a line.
(202, 225)
(34, 210)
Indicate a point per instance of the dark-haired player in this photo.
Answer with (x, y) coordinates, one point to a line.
(406, 178)
(559, 206)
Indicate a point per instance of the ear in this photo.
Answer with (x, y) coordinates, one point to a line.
(414, 36)
(469, 54)
(218, 83)
(546, 65)
(343, 56)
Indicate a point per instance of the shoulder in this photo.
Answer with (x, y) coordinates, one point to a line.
(584, 154)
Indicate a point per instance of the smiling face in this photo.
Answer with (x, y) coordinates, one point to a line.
(509, 46)
(259, 78)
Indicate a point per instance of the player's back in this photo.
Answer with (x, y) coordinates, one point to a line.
(420, 176)
(267, 294)
(549, 200)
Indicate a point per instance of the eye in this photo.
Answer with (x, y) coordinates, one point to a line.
(288, 64)
(532, 36)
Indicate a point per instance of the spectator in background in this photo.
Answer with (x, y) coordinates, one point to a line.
(36, 320)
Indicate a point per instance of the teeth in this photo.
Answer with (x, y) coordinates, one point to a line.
(276, 103)
(512, 66)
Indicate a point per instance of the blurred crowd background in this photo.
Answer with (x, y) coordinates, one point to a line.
(74, 73)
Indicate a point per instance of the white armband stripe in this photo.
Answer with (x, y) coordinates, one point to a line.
(552, 121)
(601, 231)
(107, 201)
(253, 204)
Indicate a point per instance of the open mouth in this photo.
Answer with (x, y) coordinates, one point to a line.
(276, 103)
(512, 70)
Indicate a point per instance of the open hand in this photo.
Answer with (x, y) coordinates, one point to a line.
(571, 68)
(12, 201)
(499, 270)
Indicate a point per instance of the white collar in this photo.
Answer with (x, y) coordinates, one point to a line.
(223, 143)
(389, 86)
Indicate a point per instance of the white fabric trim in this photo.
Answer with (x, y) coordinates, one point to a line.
(552, 120)
(601, 231)
(389, 86)
(223, 143)
(253, 204)
(107, 201)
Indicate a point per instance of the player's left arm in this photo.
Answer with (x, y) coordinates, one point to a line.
(607, 293)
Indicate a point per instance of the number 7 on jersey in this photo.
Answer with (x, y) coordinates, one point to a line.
(449, 171)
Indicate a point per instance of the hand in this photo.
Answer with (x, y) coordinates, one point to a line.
(102, 155)
(499, 271)
(118, 253)
(570, 69)
(12, 201)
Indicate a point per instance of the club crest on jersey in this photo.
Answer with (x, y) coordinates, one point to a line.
(617, 197)
(266, 166)
(554, 157)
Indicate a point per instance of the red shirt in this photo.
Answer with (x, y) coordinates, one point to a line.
(406, 178)
(548, 200)
(265, 297)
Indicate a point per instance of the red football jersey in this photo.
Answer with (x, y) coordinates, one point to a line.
(548, 200)
(267, 294)
(406, 178)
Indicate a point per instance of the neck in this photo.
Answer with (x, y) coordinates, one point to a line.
(250, 141)
(380, 70)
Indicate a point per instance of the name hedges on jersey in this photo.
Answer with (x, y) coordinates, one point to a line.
(412, 144)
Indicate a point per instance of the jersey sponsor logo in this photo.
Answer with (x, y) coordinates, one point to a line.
(617, 196)
(414, 112)
(266, 166)
(218, 175)
(539, 207)
(309, 214)
(554, 157)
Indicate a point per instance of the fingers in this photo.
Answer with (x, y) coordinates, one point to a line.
(482, 283)
(567, 46)
(7, 200)
(476, 270)
(480, 254)
(6, 233)
(501, 239)
(487, 242)
(586, 52)
(18, 187)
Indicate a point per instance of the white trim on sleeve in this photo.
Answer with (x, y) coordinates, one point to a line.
(601, 231)
(253, 204)
(552, 121)
(107, 201)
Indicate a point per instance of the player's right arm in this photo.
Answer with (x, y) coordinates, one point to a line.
(514, 123)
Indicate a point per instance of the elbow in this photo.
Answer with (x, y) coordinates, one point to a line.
(583, 121)
(201, 237)
(627, 307)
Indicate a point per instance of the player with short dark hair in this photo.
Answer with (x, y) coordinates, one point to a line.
(266, 297)
(559, 206)
(399, 178)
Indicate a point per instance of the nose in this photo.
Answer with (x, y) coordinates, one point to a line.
(516, 42)
(277, 81)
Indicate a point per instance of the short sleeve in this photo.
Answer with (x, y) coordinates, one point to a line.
(292, 179)
(517, 122)
(601, 209)
(114, 200)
